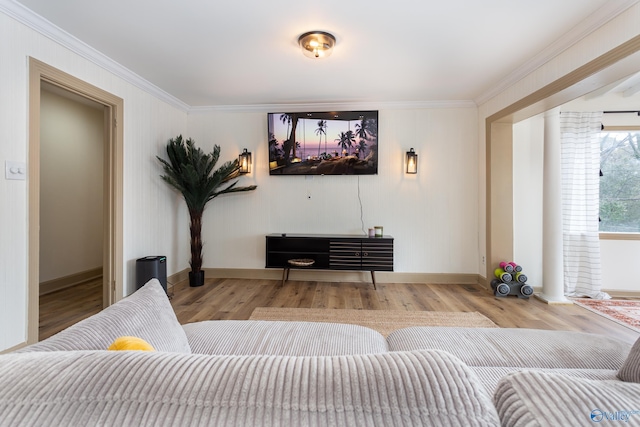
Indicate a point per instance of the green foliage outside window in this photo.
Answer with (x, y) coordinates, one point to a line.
(620, 181)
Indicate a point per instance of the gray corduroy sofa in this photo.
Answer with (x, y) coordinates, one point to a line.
(241, 373)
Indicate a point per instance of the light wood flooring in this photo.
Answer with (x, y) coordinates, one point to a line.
(63, 308)
(236, 299)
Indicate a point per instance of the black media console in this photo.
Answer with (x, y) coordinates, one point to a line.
(330, 252)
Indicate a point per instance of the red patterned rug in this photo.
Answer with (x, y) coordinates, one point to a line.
(624, 312)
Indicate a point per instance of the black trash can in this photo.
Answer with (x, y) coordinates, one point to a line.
(151, 267)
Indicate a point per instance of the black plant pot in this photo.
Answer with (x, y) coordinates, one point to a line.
(196, 279)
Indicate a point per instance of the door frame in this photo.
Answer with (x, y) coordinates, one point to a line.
(113, 186)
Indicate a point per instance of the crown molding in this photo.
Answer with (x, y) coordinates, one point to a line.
(37, 23)
(326, 106)
(44, 27)
(610, 10)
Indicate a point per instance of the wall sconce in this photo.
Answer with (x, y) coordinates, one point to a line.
(316, 44)
(244, 159)
(412, 161)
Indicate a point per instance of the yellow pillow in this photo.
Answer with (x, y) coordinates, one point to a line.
(131, 343)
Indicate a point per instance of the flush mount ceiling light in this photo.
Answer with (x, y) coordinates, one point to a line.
(316, 44)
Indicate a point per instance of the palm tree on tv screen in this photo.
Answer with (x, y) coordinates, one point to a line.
(345, 140)
(321, 130)
(274, 150)
(361, 129)
(371, 125)
(351, 139)
(290, 144)
(361, 132)
(362, 146)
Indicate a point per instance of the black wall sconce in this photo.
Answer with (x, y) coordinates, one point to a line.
(412, 161)
(245, 161)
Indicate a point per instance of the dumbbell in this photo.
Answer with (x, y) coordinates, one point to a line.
(517, 268)
(526, 291)
(502, 290)
(506, 266)
(503, 275)
(521, 278)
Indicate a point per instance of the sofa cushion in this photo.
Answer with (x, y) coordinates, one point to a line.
(169, 389)
(514, 347)
(244, 337)
(146, 314)
(542, 399)
(491, 376)
(630, 370)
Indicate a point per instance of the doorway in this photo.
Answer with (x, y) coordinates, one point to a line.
(105, 260)
(72, 140)
(608, 68)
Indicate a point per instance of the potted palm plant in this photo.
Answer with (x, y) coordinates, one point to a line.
(191, 172)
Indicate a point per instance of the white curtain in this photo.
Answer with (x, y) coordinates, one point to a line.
(580, 204)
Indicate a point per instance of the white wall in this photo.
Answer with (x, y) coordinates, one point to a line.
(619, 259)
(431, 215)
(150, 212)
(528, 138)
(71, 191)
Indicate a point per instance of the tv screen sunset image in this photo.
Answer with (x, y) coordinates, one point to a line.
(327, 143)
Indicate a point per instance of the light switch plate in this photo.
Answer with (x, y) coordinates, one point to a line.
(15, 170)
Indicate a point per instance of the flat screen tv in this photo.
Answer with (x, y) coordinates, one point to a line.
(327, 143)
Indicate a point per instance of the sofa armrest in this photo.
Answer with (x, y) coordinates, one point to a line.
(537, 398)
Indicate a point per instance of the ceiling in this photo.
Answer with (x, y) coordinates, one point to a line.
(215, 53)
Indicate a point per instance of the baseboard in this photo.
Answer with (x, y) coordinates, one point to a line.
(68, 281)
(432, 278)
(484, 282)
(14, 348)
(617, 293)
(330, 276)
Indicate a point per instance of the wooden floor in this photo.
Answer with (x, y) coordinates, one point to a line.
(63, 308)
(236, 299)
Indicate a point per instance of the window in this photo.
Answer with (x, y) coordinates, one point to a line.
(620, 181)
